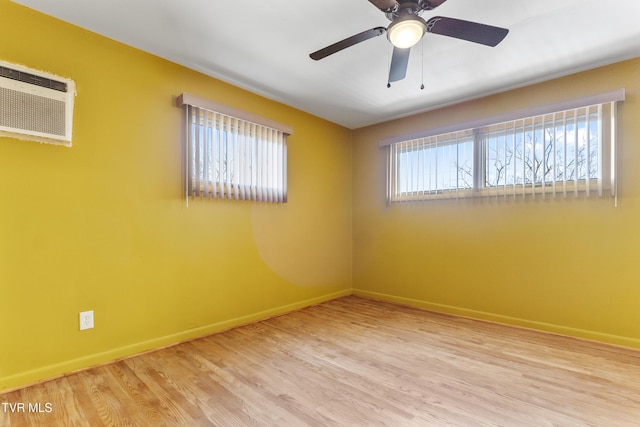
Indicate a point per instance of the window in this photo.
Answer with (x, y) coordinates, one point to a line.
(231, 157)
(433, 166)
(562, 152)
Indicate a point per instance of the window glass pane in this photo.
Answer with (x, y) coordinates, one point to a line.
(433, 166)
(544, 149)
(231, 158)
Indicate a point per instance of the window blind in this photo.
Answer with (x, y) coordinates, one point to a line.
(564, 152)
(229, 157)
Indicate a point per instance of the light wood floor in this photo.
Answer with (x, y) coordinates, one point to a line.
(352, 361)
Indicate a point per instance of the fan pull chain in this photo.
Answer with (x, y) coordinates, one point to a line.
(422, 45)
(388, 67)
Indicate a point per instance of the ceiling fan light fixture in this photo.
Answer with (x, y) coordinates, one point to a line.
(405, 33)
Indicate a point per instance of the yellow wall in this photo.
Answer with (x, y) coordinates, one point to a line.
(103, 225)
(568, 266)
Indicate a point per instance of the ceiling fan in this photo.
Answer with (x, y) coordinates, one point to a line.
(407, 28)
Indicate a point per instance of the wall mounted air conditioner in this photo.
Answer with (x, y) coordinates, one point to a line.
(35, 105)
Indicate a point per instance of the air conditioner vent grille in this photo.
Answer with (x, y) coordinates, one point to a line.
(21, 110)
(25, 77)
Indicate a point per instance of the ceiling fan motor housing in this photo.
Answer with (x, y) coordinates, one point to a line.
(406, 8)
(429, 4)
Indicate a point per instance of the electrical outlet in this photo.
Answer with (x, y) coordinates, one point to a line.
(86, 320)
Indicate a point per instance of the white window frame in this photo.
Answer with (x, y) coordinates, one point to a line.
(231, 154)
(541, 120)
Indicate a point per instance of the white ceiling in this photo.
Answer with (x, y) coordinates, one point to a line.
(264, 46)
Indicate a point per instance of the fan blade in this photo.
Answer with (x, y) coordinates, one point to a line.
(399, 61)
(429, 4)
(385, 5)
(348, 42)
(466, 30)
